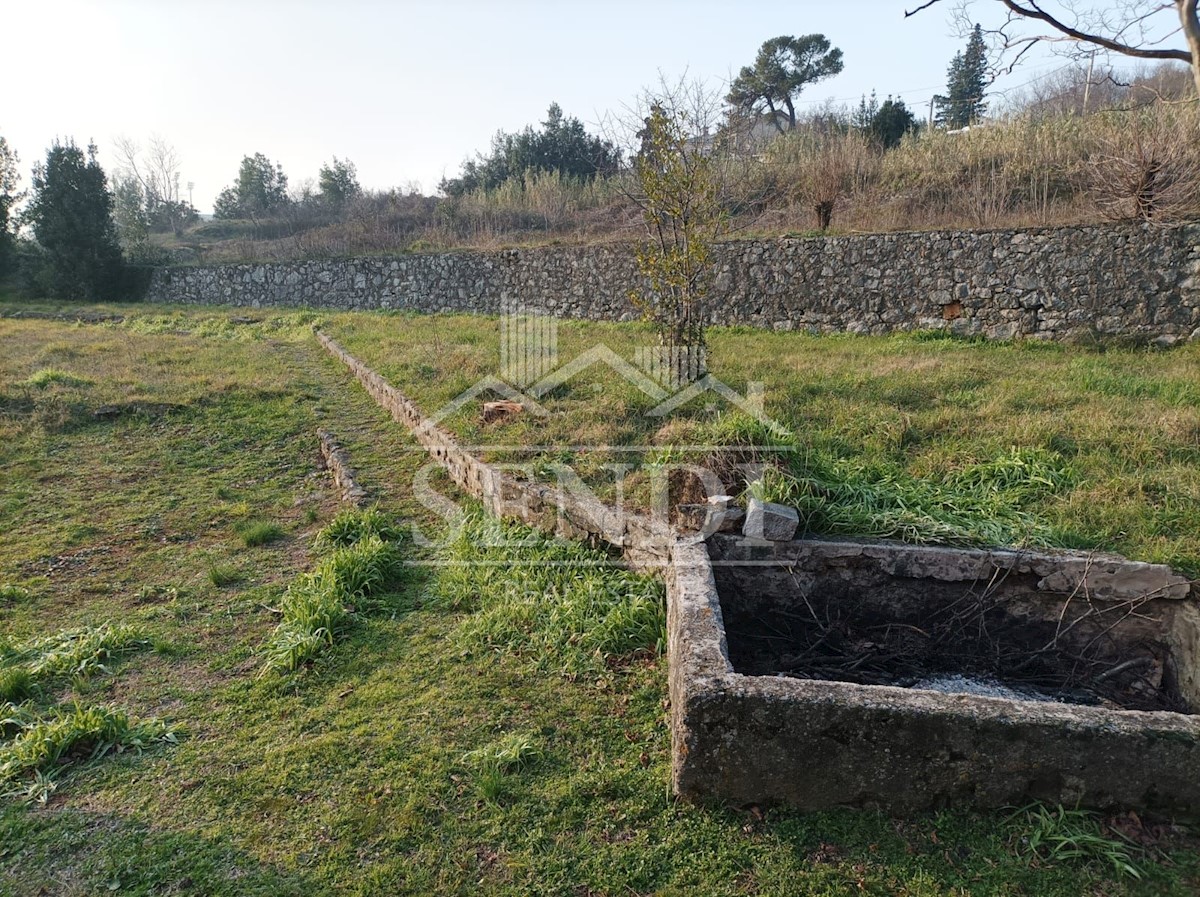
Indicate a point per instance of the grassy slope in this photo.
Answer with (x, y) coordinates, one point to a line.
(351, 776)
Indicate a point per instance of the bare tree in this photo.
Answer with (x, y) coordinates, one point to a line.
(1137, 28)
(825, 168)
(157, 171)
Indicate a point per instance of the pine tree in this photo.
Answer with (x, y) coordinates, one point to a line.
(71, 213)
(966, 85)
(891, 122)
(885, 123)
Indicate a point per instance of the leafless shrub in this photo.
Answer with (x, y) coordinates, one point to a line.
(826, 169)
(1146, 167)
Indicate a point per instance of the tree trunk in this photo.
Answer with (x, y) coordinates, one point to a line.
(774, 116)
(824, 210)
(1190, 18)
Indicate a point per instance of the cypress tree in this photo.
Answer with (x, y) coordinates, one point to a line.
(966, 84)
(71, 213)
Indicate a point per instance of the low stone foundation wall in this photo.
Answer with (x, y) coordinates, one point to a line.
(817, 744)
(645, 543)
(1059, 283)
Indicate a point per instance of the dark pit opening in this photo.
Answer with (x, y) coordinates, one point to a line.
(861, 620)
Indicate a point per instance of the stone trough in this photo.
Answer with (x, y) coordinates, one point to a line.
(880, 675)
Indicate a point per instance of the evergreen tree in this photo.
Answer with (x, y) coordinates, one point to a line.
(338, 183)
(130, 215)
(863, 117)
(71, 214)
(562, 146)
(261, 189)
(784, 66)
(886, 123)
(966, 84)
(891, 122)
(9, 196)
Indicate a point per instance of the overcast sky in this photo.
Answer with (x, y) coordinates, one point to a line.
(406, 90)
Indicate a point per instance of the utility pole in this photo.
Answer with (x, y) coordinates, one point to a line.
(1087, 88)
(932, 100)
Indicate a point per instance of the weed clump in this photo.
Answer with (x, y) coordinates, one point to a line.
(1057, 835)
(350, 526)
(47, 377)
(13, 595)
(559, 603)
(16, 685)
(82, 652)
(492, 765)
(222, 575)
(258, 532)
(318, 606)
(65, 734)
(982, 504)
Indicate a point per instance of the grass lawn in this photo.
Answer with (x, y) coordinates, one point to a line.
(910, 436)
(450, 739)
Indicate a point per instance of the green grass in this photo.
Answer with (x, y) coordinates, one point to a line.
(254, 533)
(369, 772)
(918, 436)
(558, 605)
(45, 377)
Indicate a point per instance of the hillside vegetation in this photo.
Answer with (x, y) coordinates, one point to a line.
(1027, 169)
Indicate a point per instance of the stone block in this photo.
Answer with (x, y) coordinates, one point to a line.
(769, 521)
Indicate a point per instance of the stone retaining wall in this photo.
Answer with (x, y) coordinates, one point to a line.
(1056, 283)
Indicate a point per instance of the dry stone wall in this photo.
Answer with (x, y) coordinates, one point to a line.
(1139, 281)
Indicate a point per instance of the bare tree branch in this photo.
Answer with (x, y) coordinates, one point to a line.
(923, 6)
(1033, 11)
(1128, 33)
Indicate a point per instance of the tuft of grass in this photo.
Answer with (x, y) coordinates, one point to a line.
(16, 685)
(222, 575)
(71, 733)
(13, 595)
(492, 765)
(82, 652)
(361, 570)
(1057, 835)
(258, 532)
(351, 526)
(41, 379)
(317, 607)
(980, 504)
(559, 603)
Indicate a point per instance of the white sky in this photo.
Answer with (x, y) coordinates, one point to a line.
(406, 90)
